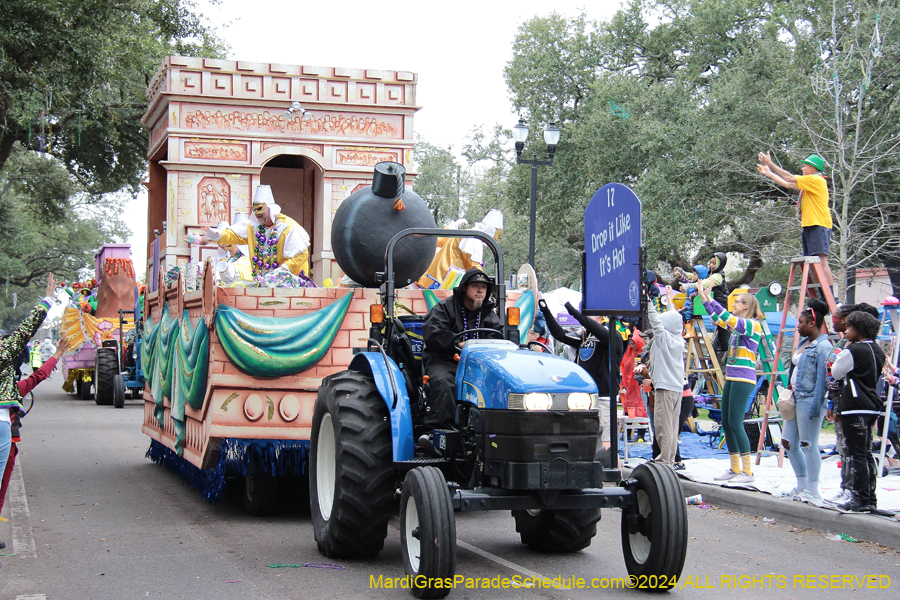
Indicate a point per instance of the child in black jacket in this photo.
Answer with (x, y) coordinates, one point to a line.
(859, 365)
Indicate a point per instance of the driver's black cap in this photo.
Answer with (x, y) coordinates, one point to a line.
(479, 278)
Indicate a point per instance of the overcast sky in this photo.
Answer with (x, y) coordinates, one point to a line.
(457, 48)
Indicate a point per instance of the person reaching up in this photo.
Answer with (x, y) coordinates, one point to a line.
(740, 375)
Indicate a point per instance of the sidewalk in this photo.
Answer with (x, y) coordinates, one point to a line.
(863, 527)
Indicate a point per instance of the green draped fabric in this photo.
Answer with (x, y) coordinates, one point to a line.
(273, 347)
(148, 348)
(166, 338)
(193, 362)
(179, 436)
(525, 304)
(156, 392)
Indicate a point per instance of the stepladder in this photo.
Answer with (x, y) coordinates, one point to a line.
(813, 283)
(700, 357)
(890, 320)
(776, 375)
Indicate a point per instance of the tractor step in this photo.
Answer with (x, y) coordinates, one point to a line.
(424, 461)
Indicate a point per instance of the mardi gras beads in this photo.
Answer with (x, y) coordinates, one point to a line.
(266, 250)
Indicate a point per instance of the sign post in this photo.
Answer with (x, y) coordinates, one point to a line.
(612, 246)
(612, 279)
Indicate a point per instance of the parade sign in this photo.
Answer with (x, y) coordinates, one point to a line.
(612, 246)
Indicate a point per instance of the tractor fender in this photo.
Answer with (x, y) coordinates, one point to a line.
(374, 364)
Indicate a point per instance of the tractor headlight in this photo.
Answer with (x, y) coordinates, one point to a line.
(579, 401)
(535, 401)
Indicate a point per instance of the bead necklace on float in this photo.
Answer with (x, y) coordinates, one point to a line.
(265, 253)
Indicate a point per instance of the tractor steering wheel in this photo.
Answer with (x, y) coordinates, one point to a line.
(459, 336)
(544, 346)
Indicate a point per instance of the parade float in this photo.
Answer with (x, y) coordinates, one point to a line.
(233, 371)
(95, 325)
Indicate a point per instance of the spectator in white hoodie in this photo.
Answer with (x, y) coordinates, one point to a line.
(667, 373)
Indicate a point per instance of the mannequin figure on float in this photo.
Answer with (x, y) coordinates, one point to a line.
(461, 254)
(275, 241)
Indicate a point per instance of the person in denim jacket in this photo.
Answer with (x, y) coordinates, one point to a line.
(801, 434)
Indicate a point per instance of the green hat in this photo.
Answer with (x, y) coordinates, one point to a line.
(816, 161)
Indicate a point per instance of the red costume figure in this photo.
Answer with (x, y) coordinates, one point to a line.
(631, 402)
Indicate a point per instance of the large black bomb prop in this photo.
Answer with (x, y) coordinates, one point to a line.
(367, 220)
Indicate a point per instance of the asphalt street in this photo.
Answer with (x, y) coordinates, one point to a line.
(106, 523)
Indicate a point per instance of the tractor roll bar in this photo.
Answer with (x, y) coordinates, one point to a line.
(387, 277)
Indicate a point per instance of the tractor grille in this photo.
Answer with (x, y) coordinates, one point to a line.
(540, 436)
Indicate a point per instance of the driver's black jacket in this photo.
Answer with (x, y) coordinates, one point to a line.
(442, 324)
(445, 320)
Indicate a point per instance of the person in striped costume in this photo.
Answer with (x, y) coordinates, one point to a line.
(10, 347)
(740, 376)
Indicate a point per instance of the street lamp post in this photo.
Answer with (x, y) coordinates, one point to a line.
(551, 137)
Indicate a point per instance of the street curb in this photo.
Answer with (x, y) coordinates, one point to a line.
(865, 527)
(871, 528)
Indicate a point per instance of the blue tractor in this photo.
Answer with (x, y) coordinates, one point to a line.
(130, 377)
(525, 439)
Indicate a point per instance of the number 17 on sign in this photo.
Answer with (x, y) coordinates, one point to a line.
(610, 201)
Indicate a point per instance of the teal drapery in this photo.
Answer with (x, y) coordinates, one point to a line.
(273, 347)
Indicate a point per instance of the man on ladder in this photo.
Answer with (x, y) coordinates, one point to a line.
(815, 221)
(812, 206)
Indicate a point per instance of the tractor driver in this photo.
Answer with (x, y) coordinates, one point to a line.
(470, 307)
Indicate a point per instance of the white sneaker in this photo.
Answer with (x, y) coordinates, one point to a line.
(794, 494)
(729, 474)
(742, 478)
(808, 496)
(841, 496)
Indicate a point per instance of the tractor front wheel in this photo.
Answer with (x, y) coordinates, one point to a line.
(106, 367)
(655, 528)
(118, 391)
(427, 532)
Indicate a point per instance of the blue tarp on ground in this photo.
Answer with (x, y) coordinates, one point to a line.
(692, 446)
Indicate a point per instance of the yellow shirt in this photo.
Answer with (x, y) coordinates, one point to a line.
(814, 209)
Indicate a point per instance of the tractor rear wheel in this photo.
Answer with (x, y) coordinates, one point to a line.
(351, 475)
(551, 530)
(106, 367)
(655, 528)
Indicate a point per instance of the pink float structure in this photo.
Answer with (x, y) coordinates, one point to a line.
(94, 339)
(224, 394)
(219, 128)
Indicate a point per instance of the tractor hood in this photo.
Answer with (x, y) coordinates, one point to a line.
(489, 371)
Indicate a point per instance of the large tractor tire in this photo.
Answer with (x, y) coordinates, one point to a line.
(106, 367)
(427, 532)
(551, 530)
(351, 475)
(260, 493)
(655, 529)
(119, 391)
